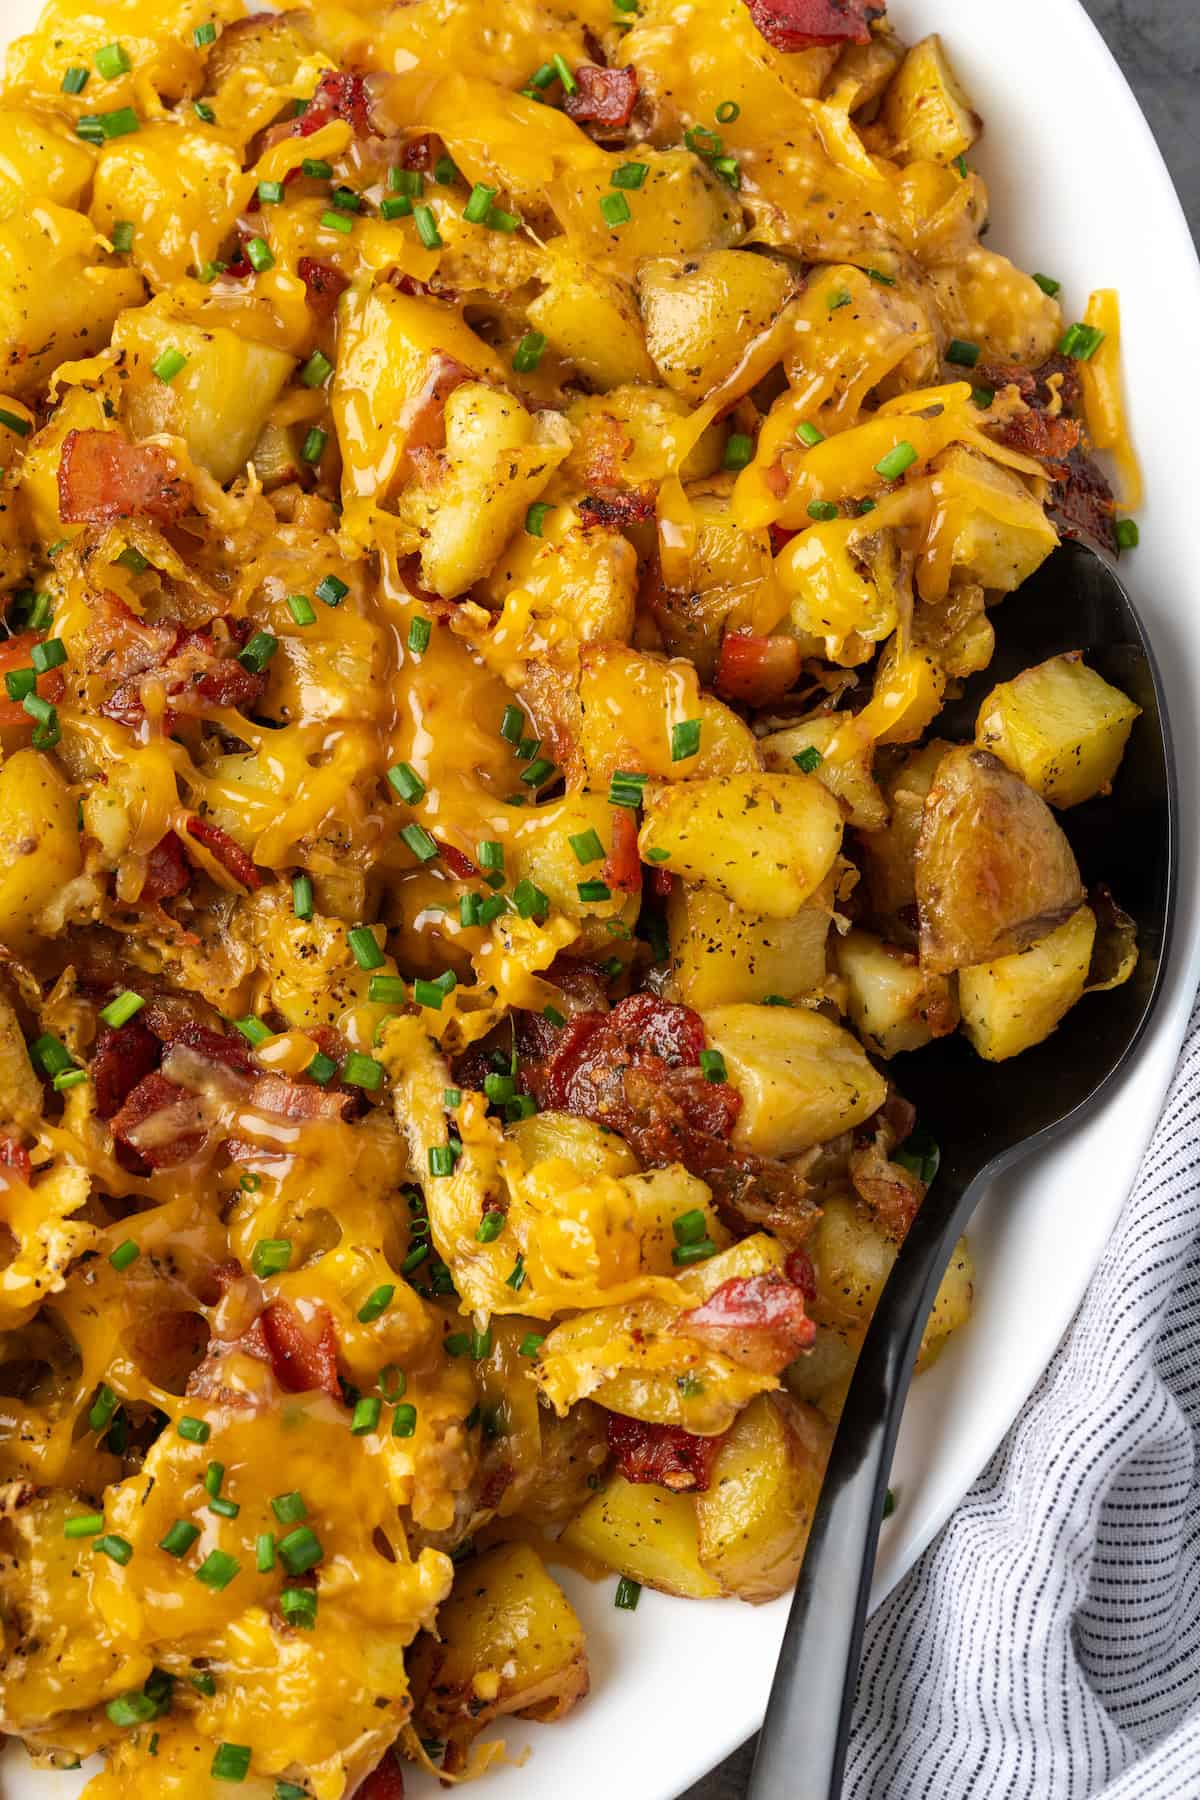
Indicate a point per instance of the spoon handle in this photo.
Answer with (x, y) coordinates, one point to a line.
(802, 1750)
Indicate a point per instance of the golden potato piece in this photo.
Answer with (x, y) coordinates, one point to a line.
(1061, 727)
(926, 109)
(722, 954)
(852, 1258)
(845, 765)
(1000, 532)
(593, 322)
(39, 844)
(510, 1642)
(755, 1516)
(802, 1078)
(767, 842)
(1013, 1003)
(701, 313)
(895, 1005)
(889, 856)
(647, 1533)
(994, 871)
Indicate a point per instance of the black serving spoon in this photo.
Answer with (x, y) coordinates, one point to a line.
(986, 1117)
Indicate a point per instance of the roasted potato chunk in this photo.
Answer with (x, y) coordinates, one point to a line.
(926, 109)
(39, 844)
(845, 767)
(994, 871)
(722, 954)
(894, 1004)
(755, 1515)
(802, 1078)
(766, 842)
(647, 1533)
(702, 313)
(1061, 727)
(1013, 1003)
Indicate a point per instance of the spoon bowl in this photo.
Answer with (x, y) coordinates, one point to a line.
(985, 1117)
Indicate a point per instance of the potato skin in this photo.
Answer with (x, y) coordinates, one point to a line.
(994, 871)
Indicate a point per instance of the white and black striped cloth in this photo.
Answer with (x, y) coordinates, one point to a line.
(1047, 1645)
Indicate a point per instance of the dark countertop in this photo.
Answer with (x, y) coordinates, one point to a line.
(1157, 43)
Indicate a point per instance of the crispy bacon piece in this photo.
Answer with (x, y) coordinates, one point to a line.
(805, 24)
(457, 861)
(758, 1321)
(231, 856)
(192, 671)
(161, 1121)
(119, 1061)
(103, 477)
(603, 97)
(1082, 503)
(172, 1023)
(892, 1192)
(757, 670)
(323, 285)
(167, 871)
(339, 95)
(385, 1782)
(303, 1353)
(296, 1100)
(14, 1156)
(424, 421)
(616, 509)
(665, 1454)
(15, 655)
(622, 865)
(801, 1274)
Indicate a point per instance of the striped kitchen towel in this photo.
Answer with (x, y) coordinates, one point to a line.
(1047, 1645)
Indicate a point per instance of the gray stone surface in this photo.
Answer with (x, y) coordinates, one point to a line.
(1157, 43)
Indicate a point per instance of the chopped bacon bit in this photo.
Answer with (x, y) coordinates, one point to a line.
(339, 95)
(758, 1321)
(119, 1061)
(806, 24)
(781, 537)
(420, 152)
(1082, 503)
(167, 871)
(424, 418)
(230, 855)
(192, 671)
(172, 1027)
(456, 861)
(616, 509)
(385, 1782)
(14, 1156)
(892, 1192)
(604, 97)
(665, 1454)
(757, 670)
(103, 477)
(302, 1353)
(15, 655)
(661, 883)
(178, 1131)
(323, 285)
(801, 1274)
(294, 1100)
(622, 866)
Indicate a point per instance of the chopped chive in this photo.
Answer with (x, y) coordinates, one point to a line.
(75, 80)
(490, 1227)
(270, 1256)
(889, 1504)
(317, 168)
(739, 450)
(253, 1030)
(214, 1475)
(337, 221)
(317, 370)
(365, 1417)
(587, 846)
(423, 847)
(131, 1709)
(528, 353)
(529, 900)
(376, 1303)
(393, 1383)
(658, 856)
(302, 896)
(1081, 342)
(515, 1279)
(299, 1607)
(685, 739)
(963, 354)
(119, 1549)
(168, 365)
(512, 725)
(428, 993)
(387, 990)
(407, 783)
(20, 682)
(625, 788)
(703, 141)
(426, 225)
(364, 948)
(1128, 535)
(99, 128)
(404, 1420)
(13, 422)
(418, 635)
(112, 62)
(264, 1552)
(83, 1525)
(530, 1344)
(270, 192)
(258, 652)
(441, 1159)
(712, 1065)
(417, 1256)
(289, 1508)
(195, 1431)
(224, 1509)
(346, 200)
(692, 1253)
(302, 609)
(50, 1054)
(893, 465)
(727, 112)
(118, 1012)
(615, 208)
(100, 1414)
(68, 1079)
(127, 1253)
(479, 205)
(561, 69)
(837, 298)
(204, 111)
(535, 518)
(300, 1550)
(630, 175)
(409, 182)
(489, 910)
(879, 276)
(960, 163)
(983, 397)
(259, 255)
(321, 1069)
(552, 1016)
(502, 221)
(231, 1762)
(331, 590)
(451, 1098)
(1048, 285)
(313, 447)
(445, 171)
(628, 1594)
(499, 1088)
(362, 1071)
(179, 1538)
(808, 433)
(690, 1227)
(590, 891)
(808, 760)
(538, 772)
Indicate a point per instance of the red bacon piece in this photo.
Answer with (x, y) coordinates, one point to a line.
(14, 1156)
(385, 1782)
(103, 477)
(167, 871)
(172, 1024)
(757, 670)
(15, 655)
(622, 865)
(120, 1060)
(456, 861)
(801, 1274)
(758, 1321)
(424, 421)
(230, 855)
(616, 509)
(323, 285)
(178, 1130)
(293, 1100)
(1082, 502)
(303, 1353)
(665, 1454)
(339, 95)
(806, 24)
(604, 97)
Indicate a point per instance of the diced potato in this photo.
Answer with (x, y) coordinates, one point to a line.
(907, 696)
(1061, 727)
(1013, 1003)
(647, 1533)
(702, 313)
(852, 1258)
(985, 299)
(925, 108)
(680, 208)
(218, 402)
(498, 459)
(766, 842)
(834, 592)
(40, 158)
(633, 435)
(802, 1078)
(994, 871)
(39, 844)
(894, 1004)
(593, 322)
(1001, 534)
(585, 580)
(845, 766)
(541, 852)
(755, 1516)
(57, 299)
(631, 703)
(729, 581)
(181, 190)
(721, 954)
(21, 1088)
(890, 855)
(866, 68)
(508, 1641)
(588, 1148)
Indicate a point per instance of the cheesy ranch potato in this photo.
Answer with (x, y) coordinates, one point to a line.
(493, 502)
